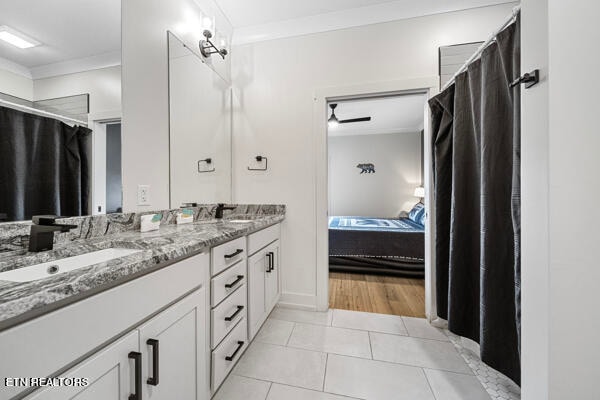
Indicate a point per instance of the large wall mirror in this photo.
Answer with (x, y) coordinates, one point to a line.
(60, 108)
(200, 129)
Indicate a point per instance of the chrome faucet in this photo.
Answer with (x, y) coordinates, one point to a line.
(41, 235)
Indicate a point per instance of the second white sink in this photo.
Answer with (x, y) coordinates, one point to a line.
(57, 267)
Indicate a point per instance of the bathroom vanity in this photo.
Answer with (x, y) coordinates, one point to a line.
(167, 322)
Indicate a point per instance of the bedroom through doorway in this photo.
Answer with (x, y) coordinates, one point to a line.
(376, 204)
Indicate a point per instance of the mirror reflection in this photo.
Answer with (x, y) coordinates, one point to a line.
(200, 129)
(60, 108)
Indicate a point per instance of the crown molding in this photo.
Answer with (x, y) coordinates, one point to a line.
(15, 68)
(385, 12)
(78, 65)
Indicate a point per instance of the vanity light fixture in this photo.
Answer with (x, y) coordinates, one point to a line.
(17, 38)
(207, 48)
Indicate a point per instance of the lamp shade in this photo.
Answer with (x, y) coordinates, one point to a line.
(419, 191)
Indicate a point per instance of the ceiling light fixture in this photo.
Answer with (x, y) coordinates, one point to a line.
(333, 121)
(17, 38)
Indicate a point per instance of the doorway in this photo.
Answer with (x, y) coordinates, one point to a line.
(427, 86)
(375, 204)
(107, 193)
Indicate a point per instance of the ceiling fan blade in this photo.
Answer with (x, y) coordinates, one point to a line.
(363, 119)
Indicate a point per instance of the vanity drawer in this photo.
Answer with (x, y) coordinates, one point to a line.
(227, 254)
(235, 307)
(227, 282)
(260, 239)
(227, 354)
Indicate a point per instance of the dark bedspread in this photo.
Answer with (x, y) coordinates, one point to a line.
(376, 245)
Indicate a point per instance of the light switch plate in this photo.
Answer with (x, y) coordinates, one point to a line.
(143, 195)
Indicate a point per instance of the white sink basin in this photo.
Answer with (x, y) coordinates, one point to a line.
(52, 268)
(239, 221)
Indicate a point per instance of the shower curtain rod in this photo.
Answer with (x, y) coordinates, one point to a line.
(46, 113)
(509, 20)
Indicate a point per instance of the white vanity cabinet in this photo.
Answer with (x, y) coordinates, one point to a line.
(164, 358)
(105, 338)
(174, 333)
(108, 375)
(229, 300)
(264, 286)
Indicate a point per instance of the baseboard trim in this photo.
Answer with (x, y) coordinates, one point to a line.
(298, 301)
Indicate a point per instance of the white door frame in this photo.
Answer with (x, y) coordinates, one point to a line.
(428, 85)
(97, 122)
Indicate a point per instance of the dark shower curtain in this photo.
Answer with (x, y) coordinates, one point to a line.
(44, 166)
(476, 157)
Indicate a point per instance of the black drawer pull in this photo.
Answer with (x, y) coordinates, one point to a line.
(232, 284)
(270, 258)
(232, 316)
(231, 357)
(235, 253)
(153, 380)
(137, 360)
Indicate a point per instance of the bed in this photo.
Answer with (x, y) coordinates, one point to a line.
(377, 245)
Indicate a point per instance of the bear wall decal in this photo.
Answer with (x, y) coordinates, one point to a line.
(366, 167)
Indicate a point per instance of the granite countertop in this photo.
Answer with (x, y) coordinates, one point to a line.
(21, 301)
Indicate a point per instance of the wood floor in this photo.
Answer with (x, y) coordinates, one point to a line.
(377, 294)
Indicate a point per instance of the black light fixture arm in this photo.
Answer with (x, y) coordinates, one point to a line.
(207, 47)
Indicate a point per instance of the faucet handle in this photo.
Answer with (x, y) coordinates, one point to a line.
(44, 219)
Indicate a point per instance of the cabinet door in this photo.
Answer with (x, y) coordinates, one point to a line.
(109, 374)
(257, 267)
(175, 352)
(272, 277)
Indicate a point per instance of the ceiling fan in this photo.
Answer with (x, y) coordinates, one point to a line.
(333, 120)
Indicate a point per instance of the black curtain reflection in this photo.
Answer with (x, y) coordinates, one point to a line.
(44, 166)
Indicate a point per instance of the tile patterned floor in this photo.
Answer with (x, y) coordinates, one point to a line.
(497, 385)
(345, 355)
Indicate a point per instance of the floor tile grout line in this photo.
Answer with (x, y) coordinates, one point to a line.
(396, 363)
(269, 391)
(318, 391)
(325, 374)
(280, 383)
(287, 342)
(370, 344)
(366, 330)
(428, 383)
(328, 352)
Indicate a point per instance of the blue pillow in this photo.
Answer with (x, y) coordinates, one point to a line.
(417, 214)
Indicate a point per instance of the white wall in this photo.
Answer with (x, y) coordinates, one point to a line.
(145, 88)
(561, 318)
(397, 160)
(275, 82)
(16, 85)
(534, 206)
(103, 85)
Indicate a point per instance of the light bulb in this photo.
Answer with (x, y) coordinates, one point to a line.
(207, 23)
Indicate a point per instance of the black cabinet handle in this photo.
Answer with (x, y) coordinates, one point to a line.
(232, 284)
(232, 316)
(231, 357)
(137, 360)
(153, 380)
(270, 258)
(235, 253)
